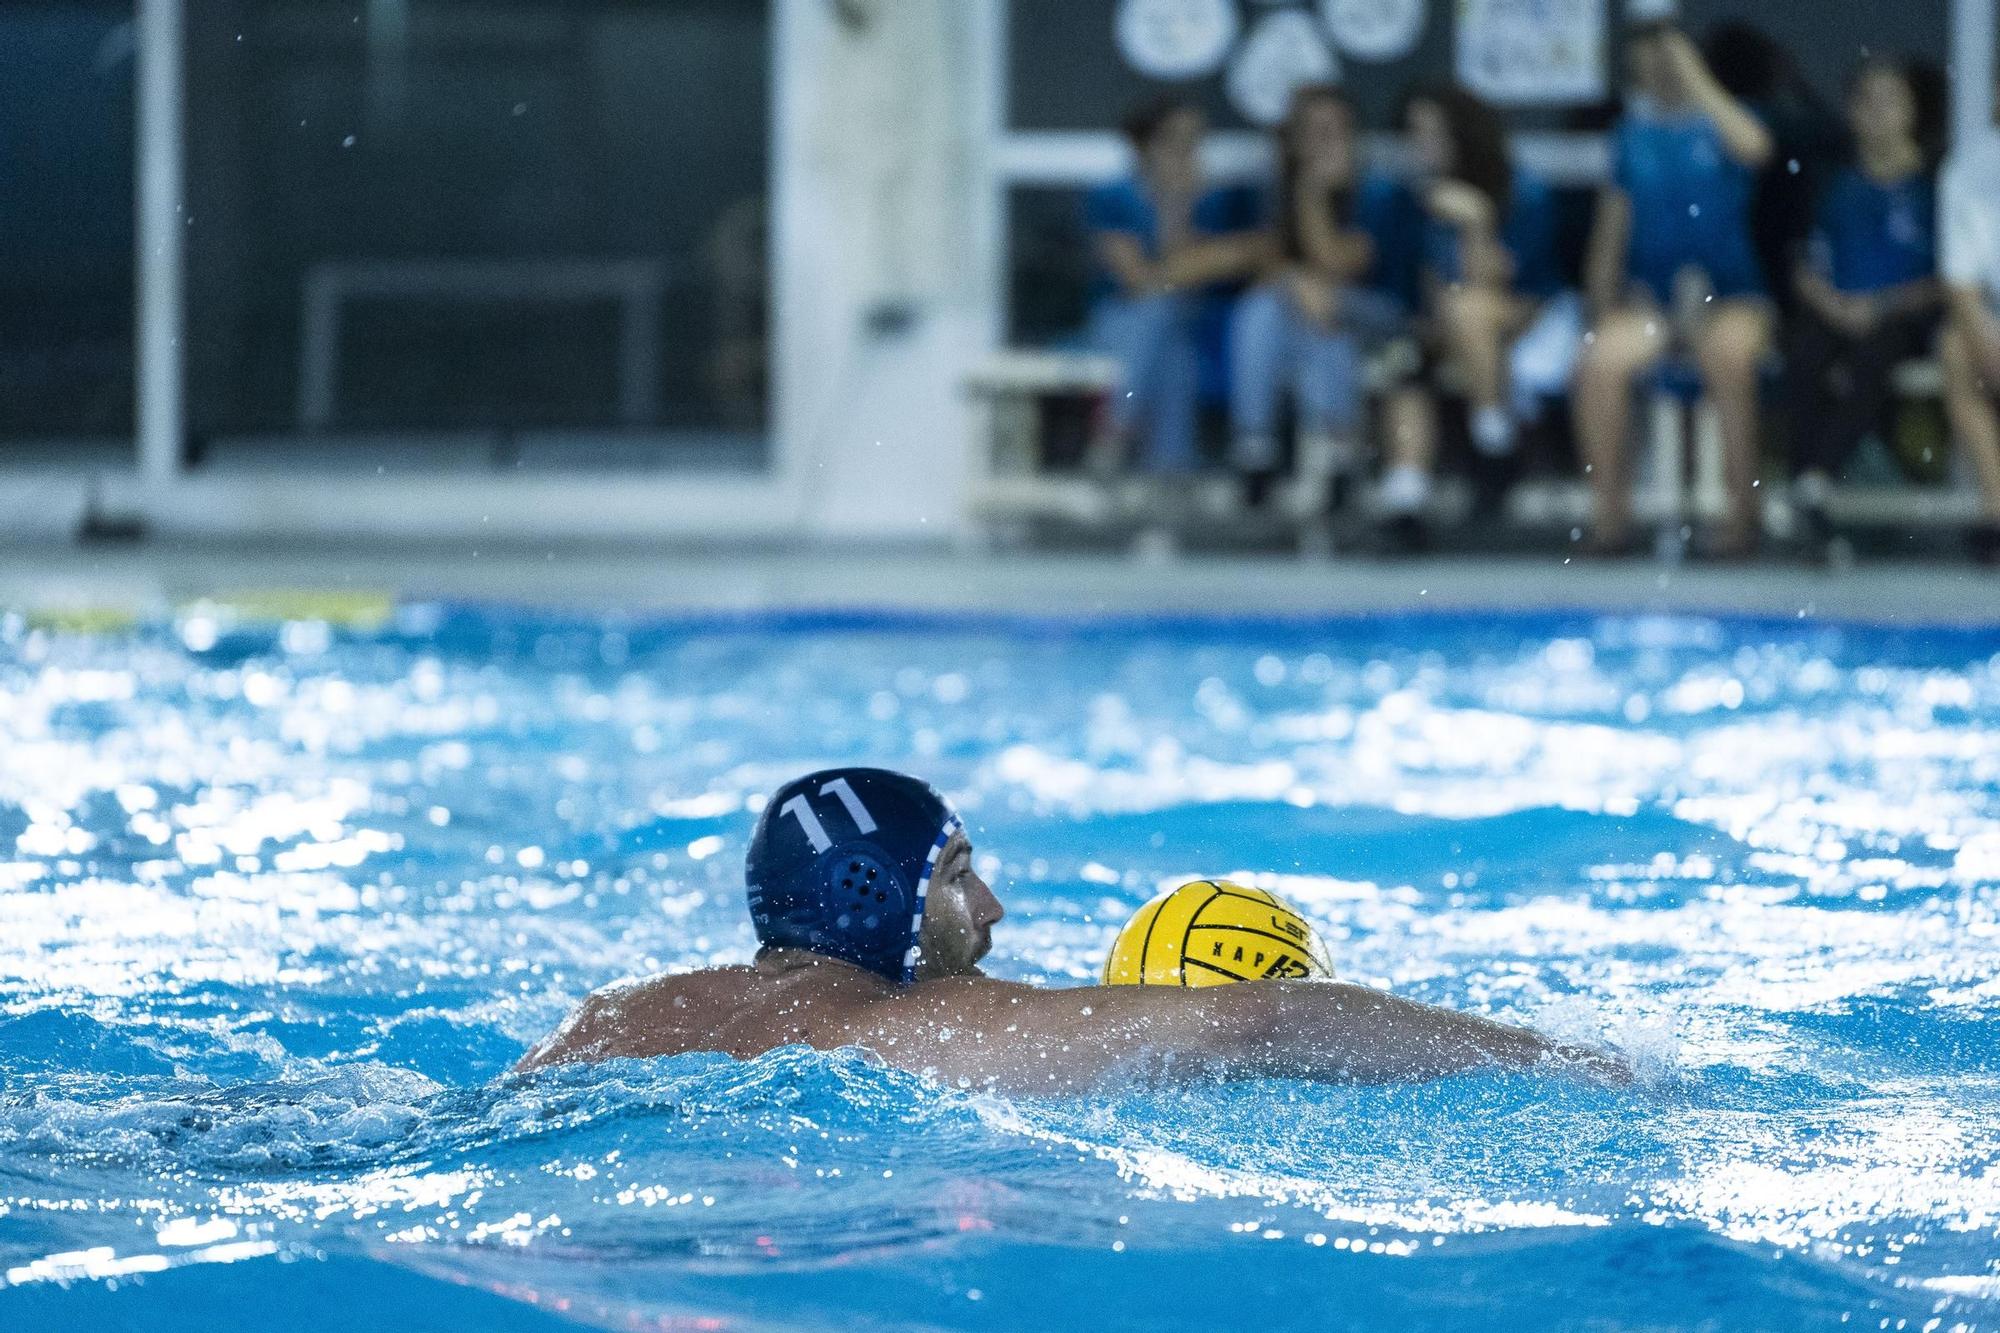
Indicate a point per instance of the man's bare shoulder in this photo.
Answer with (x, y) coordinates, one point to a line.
(794, 998)
(740, 1011)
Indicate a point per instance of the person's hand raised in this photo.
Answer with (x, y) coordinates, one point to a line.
(1684, 58)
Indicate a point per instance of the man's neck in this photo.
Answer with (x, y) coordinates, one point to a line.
(779, 962)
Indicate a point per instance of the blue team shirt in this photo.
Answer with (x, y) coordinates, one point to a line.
(1691, 204)
(1869, 236)
(1124, 206)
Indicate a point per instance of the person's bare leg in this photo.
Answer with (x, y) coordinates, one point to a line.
(1474, 324)
(1409, 427)
(1970, 406)
(1619, 347)
(1409, 456)
(1730, 350)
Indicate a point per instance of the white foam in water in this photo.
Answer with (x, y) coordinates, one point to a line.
(1651, 1045)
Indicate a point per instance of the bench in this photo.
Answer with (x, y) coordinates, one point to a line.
(1682, 477)
(1006, 480)
(1681, 480)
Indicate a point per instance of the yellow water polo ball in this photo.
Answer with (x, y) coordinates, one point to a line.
(1209, 932)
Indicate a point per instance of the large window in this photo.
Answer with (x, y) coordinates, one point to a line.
(65, 230)
(466, 230)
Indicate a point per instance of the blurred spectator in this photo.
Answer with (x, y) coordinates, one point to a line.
(1867, 293)
(1167, 249)
(1806, 140)
(1969, 259)
(1490, 288)
(1302, 330)
(1671, 265)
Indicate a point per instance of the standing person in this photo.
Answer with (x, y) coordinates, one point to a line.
(1167, 248)
(1969, 258)
(1490, 288)
(1302, 329)
(1671, 264)
(1867, 295)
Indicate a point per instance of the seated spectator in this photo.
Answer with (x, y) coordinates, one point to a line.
(1867, 296)
(1490, 291)
(1167, 250)
(1671, 266)
(1302, 330)
(1969, 259)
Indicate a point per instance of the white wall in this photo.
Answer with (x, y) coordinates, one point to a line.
(1972, 59)
(878, 214)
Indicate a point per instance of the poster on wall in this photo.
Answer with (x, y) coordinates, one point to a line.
(1176, 39)
(1283, 52)
(1521, 52)
(1374, 29)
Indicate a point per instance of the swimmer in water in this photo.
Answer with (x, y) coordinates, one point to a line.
(873, 922)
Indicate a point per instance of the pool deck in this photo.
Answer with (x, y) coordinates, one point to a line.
(151, 579)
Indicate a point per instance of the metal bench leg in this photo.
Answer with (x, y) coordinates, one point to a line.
(1711, 493)
(1666, 486)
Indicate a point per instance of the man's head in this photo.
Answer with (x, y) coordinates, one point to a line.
(959, 914)
(870, 867)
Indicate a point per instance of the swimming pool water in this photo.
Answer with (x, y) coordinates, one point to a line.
(279, 904)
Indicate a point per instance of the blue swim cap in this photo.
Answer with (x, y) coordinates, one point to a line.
(840, 862)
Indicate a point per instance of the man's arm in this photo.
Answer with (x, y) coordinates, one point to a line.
(608, 1024)
(1025, 1040)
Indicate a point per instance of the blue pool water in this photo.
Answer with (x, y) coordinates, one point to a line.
(279, 905)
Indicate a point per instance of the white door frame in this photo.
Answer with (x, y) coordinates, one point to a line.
(1971, 47)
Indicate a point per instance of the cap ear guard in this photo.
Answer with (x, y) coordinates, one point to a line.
(952, 824)
(840, 862)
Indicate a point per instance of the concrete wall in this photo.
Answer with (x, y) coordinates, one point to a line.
(878, 252)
